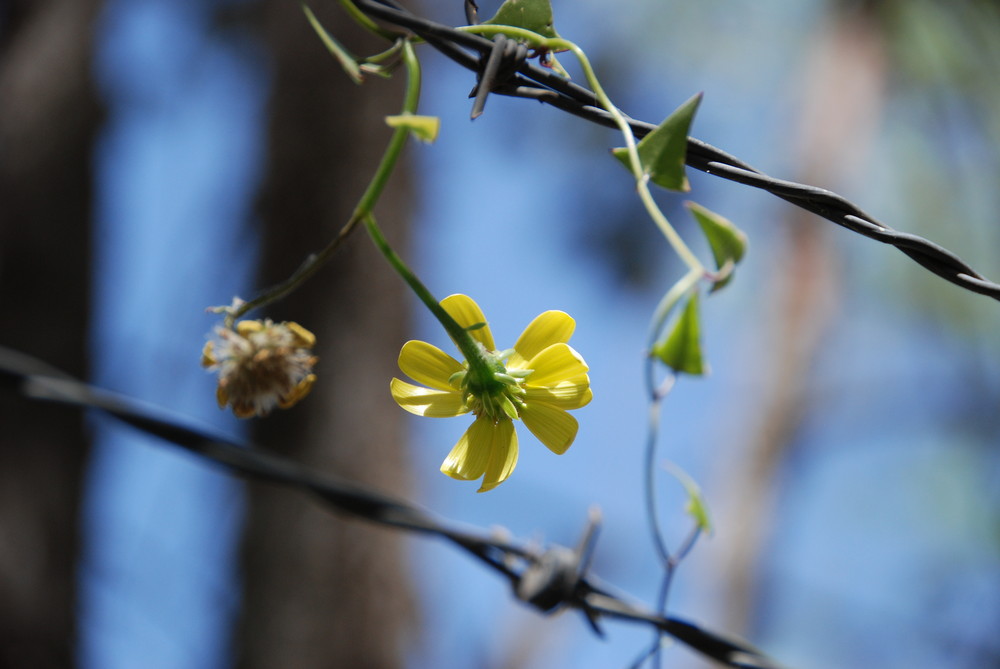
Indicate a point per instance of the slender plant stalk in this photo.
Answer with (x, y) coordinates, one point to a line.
(669, 301)
(459, 335)
(641, 178)
(474, 354)
(365, 205)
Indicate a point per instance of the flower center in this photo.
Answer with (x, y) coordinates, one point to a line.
(491, 390)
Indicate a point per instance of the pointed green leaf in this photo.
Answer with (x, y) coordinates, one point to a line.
(424, 128)
(728, 242)
(533, 15)
(662, 151)
(681, 348)
(343, 56)
(695, 507)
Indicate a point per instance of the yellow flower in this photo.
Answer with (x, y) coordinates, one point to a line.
(261, 365)
(537, 381)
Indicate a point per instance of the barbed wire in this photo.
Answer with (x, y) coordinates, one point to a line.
(530, 81)
(548, 578)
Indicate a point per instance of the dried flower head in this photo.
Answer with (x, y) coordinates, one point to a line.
(261, 364)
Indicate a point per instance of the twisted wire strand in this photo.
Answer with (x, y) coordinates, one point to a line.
(538, 83)
(543, 578)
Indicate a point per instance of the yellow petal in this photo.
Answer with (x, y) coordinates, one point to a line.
(208, 355)
(551, 327)
(303, 338)
(468, 459)
(221, 396)
(300, 390)
(427, 402)
(244, 328)
(427, 364)
(503, 455)
(245, 410)
(554, 427)
(554, 364)
(466, 312)
(571, 394)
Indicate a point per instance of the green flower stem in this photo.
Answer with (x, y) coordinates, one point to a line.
(309, 266)
(473, 353)
(398, 140)
(537, 41)
(366, 204)
(670, 300)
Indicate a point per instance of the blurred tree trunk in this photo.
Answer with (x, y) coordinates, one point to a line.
(48, 120)
(322, 591)
(844, 78)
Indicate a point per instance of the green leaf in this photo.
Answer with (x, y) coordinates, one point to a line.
(533, 15)
(695, 507)
(662, 151)
(343, 56)
(728, 242)
(424, 128)
(681, 348)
